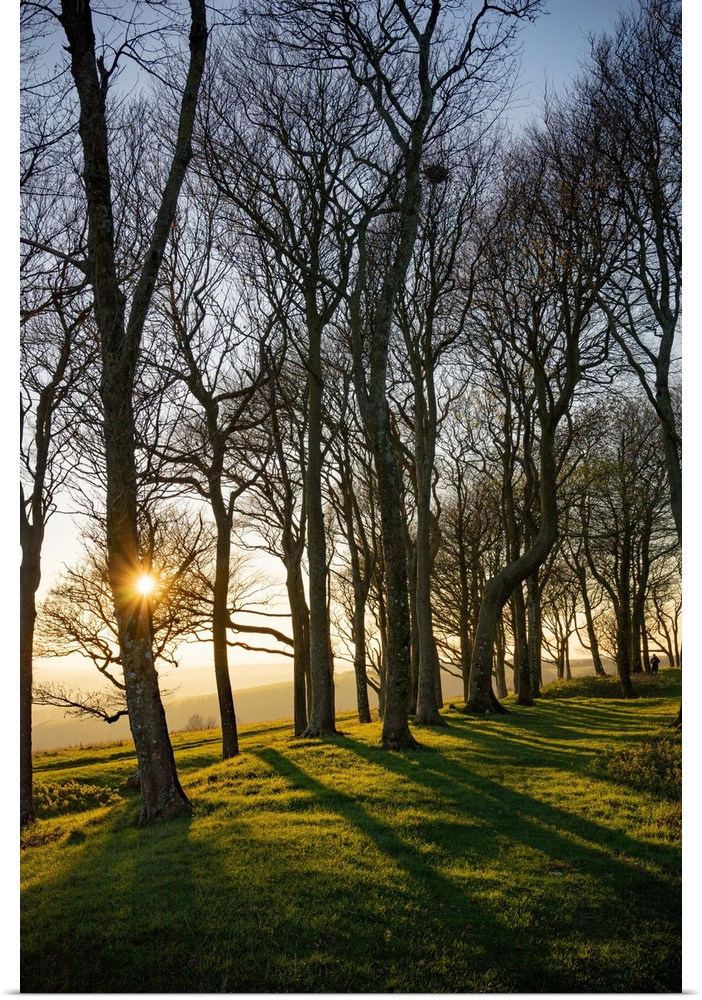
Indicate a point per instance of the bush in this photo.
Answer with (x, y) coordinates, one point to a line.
(196, 722)
(57, 799)
(653, 764)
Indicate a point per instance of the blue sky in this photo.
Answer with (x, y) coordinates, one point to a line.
(554, 45)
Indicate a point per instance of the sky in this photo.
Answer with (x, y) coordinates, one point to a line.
(555, 44)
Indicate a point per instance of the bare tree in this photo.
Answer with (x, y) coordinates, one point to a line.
(539, 303)
(55, 349)
(120, 317)
(623, 527)
(634, 85)
(208, 363)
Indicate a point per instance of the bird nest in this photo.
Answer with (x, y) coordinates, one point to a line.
(436, 173)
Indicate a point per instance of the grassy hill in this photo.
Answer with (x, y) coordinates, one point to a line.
(535, 852)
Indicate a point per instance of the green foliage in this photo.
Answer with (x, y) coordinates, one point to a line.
(665, 684)
(653, 764)
(60, 798)
(499, 860)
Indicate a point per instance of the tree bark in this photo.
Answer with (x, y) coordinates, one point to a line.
(321, 718)
(500, 587)
(396, 734)
(220, 622)
(590, 625)
(30, 575)
(521, 649)
(427, 703)
(534, 632)
(300, 620)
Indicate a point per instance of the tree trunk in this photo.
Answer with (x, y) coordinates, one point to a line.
(414, 626)
(220, 622)
(500, 662)
(30, 575)
(359, 638)
(321, 718)
(300, 621)
(521, 649)
(396, 733)
(591, 635)
(161, 794)
(534, 632)
(427, 703)
(424, 447)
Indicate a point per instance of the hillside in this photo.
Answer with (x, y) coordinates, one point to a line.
(536, 852)
(52, 729)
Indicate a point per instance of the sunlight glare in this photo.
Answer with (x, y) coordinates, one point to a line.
(145, 584)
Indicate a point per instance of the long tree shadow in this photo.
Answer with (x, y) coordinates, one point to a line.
(120, 873)
(538, 823)
(431, 891)
(477, 847)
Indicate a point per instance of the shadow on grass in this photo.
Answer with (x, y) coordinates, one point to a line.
(65, 762)
(117, 914)
(534, 821)
(549, 842)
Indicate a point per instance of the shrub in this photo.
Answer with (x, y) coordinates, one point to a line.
(196, 722)
(57, 799)
(653, 764)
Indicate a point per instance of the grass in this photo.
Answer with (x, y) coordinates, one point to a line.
(535, 852)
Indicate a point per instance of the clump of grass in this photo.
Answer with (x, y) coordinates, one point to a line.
(60, 798)
(653, 764)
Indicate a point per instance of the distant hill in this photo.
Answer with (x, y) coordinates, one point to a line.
(52, 729)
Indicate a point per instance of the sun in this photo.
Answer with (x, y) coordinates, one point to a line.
(145, 584)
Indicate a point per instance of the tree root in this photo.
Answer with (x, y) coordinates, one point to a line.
(317, 733)
(436, 721)
(407, 742)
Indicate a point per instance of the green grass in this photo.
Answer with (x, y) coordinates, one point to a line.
(528, 853)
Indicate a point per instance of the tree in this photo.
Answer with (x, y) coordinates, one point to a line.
(205, 395)
(55, 350)
(430, 314)
(274, 509)
(623, 526)
(552, 245)
(120, 309)
(277, 135)
(634, 87)
(347, 498)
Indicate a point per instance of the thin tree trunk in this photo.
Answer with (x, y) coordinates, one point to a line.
(396, 733)
(534, 632)
(220, 622)
(424, 422)
(591, 635)
(414, 626)
(299, 614)
(500, 657)
(321, 718)
(29, 583)
(521, 649)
